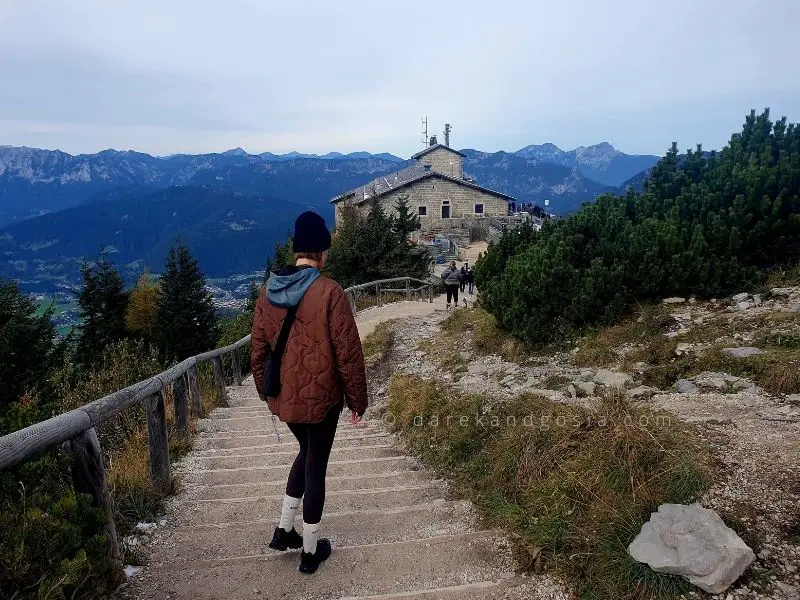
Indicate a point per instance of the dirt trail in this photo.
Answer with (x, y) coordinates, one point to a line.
(396, 533)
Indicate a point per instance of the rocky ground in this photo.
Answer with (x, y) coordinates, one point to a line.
(756, 434)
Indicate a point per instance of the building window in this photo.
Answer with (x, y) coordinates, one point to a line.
(479, 209)
(422, 211)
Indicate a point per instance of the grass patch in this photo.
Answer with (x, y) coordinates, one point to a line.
(783, 277)
(378, 343)
(487, 337)
(576, 484)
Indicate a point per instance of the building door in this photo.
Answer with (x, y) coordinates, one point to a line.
(445, 211)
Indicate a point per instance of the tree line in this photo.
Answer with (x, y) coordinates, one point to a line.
(706, 223)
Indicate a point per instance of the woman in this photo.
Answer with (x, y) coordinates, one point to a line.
(322, 365)
(452, 281)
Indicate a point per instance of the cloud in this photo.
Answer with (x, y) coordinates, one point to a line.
(314, 76)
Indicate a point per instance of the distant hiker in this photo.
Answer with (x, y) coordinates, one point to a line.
(306, 374)
(463, 282)
(452, 281)
(471, 281)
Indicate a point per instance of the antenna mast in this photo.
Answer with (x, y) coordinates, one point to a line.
(425, 131)
(447, 130)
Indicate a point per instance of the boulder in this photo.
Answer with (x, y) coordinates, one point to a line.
(682, 349)
(693, 542)
(675, 300)
(684, 386)
(744, 305)
(587, 387)
(781, 292)
(743, 351)
(612, 379)
(793, 397)
(740, 297)
(641, 391)
(757, 299)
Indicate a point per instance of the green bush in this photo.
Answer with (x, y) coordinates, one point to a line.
(705, 224)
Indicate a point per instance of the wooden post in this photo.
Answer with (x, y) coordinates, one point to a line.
(236, 365)
(89, 477)
(408, 290)
(219, 380)
(430, 293)
(180, 399)
(194, 392)
(378, 294)
(159, 445)
(352, 297)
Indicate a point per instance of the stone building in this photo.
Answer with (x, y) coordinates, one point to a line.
(436, 189)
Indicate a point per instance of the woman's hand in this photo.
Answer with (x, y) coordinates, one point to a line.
(355, 419)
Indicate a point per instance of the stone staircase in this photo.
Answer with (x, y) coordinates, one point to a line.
(395, 531)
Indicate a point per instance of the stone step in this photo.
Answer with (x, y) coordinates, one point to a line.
(221, 446)
(268, 507)
(344, 528)
(270, 473)
(332, 484)
(505, 588)
(282, 457)
(263, 424)
(362, 570)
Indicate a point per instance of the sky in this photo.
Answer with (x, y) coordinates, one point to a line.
(317, 76)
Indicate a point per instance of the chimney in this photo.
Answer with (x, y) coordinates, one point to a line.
(433, 140)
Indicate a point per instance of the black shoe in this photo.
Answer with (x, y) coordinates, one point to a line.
(310, 562)
(283, 540)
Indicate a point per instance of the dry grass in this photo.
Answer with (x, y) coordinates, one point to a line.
(576, 484)
(378, 343)
(487, 337)
(366, 300)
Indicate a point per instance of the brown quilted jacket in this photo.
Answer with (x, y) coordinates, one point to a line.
(323, 361)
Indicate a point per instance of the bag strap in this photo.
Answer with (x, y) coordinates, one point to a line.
(283, 336)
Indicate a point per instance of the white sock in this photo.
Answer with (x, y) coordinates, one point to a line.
(288, 512)
(310, 537)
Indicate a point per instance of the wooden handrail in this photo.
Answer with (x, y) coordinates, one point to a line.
(19, 446)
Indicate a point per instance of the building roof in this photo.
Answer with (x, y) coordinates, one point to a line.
(429, 149)
(403, 178)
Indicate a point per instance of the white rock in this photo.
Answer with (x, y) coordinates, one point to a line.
(675, 300)
(743, 351)
(757, 299)
(641, 391)
(790, 592)
(744, 305)
(131, 571)
(693, 542)
(682, 348)
(781, 292)
(145, 527)
(793, 397)
(612, 379)
(587, 387)
(671, 334)
(684, 386)
(740, 297)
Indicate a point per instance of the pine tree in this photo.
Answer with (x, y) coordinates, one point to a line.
(27, 350)
(282, 256)
(140, 316)
(406, 221)
(102, 303)
(185, 321)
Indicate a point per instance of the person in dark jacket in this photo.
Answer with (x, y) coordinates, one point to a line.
(470, 281)
(463, 282)
(322, 368)
(452, 281)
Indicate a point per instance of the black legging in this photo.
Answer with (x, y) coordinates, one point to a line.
(452, 293)
(307, 477)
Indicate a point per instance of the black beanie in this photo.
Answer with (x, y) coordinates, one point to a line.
(311, 234)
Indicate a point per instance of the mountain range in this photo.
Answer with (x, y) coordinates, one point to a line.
(231, 207)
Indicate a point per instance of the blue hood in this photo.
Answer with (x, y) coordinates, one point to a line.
(287, 287)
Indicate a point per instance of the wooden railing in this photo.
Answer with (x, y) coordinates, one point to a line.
(422, 291)
(78, 428)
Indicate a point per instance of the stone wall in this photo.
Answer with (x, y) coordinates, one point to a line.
(432, 193)
(440, 160)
